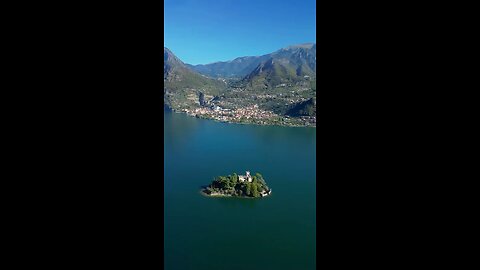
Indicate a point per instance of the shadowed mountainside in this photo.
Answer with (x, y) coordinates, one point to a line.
(184, 86)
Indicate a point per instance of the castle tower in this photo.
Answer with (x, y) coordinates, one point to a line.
(249, 178)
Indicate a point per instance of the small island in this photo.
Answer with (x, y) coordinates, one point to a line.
(238, 186)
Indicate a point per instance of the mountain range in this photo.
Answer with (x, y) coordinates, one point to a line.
(289, 65)
(242, 66)
(283, 81)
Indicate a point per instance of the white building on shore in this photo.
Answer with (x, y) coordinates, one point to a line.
(265, 193)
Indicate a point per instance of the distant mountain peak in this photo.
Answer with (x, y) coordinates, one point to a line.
(169, 56)
(287, 65)
(178, 77)
(303, 53)
(303, 45)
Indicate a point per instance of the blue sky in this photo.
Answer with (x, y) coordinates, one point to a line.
(206, 31)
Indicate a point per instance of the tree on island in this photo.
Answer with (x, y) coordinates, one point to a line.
(255, 192)
(235, 178)
(248, 190)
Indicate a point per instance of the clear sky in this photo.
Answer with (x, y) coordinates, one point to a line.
(206, 31)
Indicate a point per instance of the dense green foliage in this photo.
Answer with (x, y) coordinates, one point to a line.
(306, 108)
(230, 185)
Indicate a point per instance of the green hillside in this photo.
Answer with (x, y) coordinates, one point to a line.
(183, 87)
(305, 108)
(284, 84)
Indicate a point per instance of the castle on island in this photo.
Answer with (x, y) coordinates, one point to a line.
(247, 177)
(243, 186)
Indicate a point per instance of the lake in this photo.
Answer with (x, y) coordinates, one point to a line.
(275, 232)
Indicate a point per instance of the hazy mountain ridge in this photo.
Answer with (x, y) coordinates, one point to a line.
(243, 66)
(239, 67)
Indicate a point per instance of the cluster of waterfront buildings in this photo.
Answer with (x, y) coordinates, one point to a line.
(236, 115)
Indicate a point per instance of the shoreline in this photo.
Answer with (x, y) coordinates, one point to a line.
(243, 123)
(217, 195)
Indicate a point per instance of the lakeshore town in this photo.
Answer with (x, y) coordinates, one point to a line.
(251, 114)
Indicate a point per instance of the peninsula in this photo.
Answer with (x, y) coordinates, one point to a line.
(238, 186)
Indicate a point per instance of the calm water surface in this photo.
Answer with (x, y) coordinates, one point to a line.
(276, 232)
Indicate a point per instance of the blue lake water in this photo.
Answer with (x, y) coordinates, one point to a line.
(276, 232)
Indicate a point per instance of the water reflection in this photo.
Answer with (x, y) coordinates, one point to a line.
(178, 129)
(179, 126)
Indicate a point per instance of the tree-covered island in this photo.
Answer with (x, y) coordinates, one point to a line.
(238, 186)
